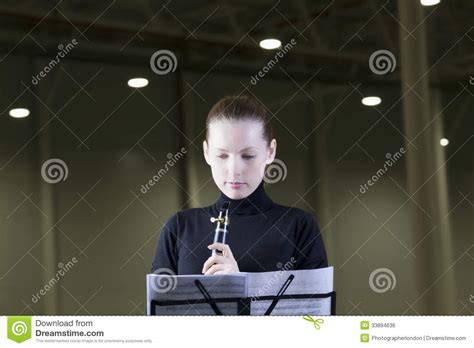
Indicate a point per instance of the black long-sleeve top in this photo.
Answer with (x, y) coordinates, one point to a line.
(263, 236)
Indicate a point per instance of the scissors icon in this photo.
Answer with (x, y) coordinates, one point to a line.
(316, 322)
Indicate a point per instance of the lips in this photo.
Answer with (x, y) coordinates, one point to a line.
(235, 184)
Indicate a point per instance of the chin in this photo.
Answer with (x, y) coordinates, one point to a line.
(234, 195)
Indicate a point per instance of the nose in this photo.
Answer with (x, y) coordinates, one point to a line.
(234, 167)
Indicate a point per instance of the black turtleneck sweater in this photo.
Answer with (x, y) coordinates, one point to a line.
(263, 236)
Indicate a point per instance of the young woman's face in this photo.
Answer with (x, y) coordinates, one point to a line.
(237, 154)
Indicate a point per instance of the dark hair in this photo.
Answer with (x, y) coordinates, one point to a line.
(237, 108)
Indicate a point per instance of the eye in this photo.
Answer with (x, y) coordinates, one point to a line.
(247, 157)
(223, 156)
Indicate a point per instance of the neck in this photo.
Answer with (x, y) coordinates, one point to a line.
(255, 203)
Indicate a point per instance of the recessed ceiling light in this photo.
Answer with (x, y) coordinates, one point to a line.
(444, 142)
(19, 112)
(371, 101)
(270, 44)
(429, 2)
(138, 82)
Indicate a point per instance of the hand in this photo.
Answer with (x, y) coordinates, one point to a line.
(220, 264)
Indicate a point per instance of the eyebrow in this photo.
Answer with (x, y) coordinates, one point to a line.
(247, 148)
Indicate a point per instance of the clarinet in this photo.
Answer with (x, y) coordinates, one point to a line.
(222, 226)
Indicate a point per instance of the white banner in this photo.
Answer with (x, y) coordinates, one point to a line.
(235, 331)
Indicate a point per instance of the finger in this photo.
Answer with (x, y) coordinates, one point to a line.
(212, 260)
(214, 268)
(226, 270)
(221, 246)
(217, 246)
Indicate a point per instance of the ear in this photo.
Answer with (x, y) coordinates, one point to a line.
(271, 153)
(205, 148)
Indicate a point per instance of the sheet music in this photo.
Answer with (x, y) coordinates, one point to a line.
(241, 285)
(167, 288)
(315, 281)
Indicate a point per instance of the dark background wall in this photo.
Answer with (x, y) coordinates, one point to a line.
(114, 139)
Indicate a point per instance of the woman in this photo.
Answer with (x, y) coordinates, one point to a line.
(262, 235)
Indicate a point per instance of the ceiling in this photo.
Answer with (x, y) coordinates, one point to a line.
(223, 36)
